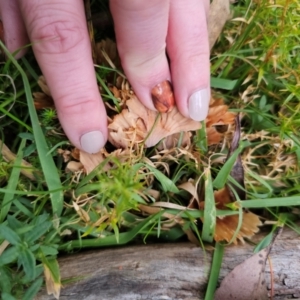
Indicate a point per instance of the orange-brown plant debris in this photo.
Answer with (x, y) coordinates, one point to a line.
(43, 99)
(226, 226)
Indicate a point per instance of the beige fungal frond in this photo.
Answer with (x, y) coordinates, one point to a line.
(138, 124)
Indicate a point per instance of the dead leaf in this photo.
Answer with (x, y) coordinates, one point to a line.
(246, 281)
(66, 154)
(74, 166)
(84, 216)
(213, 136)
(154, 194)
(3, 246)
(43, 85)
(192, 237)
(52, 286)
(43, 99)
(107, 54)
(219, 13)
(75, 153)
(191, 188)
(237, 171)
(26, 168)
(218, 115)
(226, 227)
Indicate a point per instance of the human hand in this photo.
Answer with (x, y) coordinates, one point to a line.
(144, 31)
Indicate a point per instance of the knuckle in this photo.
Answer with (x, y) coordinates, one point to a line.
(76, 107)
(194, 49)
(54, 34)
(192, 56)
(137, 5)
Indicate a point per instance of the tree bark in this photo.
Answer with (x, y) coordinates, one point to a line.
(170, 271)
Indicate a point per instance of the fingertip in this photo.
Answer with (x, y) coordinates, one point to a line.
(188, 50)
(84, 122)
(198, 104)
(141, 29)
(92, 142)
(191, 82)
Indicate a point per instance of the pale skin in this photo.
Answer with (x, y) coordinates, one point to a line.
(145, 31)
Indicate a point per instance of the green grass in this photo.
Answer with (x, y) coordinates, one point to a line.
(257, 73)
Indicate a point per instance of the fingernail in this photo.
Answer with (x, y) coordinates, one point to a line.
(162, 96)
(198, 104)
(92, 142)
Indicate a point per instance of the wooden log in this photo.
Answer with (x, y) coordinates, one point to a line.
(169, 271)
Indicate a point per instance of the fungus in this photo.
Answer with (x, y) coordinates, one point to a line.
(138, 124)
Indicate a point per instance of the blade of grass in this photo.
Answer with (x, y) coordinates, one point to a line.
(214, 271)
(48, 166)
(201, 138)
(107, 90)
(91, 175)
(263, 183)
(265, 242)
(209, 220)
(124, 237)
(167, 184)
(12, 183)
(52, 265)
(223, 174)
(22, 208)
(271, 202)
(30, 69)
(14, 118)
(221, 83)
(238, 228)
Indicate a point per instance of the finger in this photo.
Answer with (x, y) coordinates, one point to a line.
(188, 49)
(141, 30)
(14, 31)
(59, 36)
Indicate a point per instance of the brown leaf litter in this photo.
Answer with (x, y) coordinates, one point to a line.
(26, 168)
(226, 227)
(43, 99)
(53, 286)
